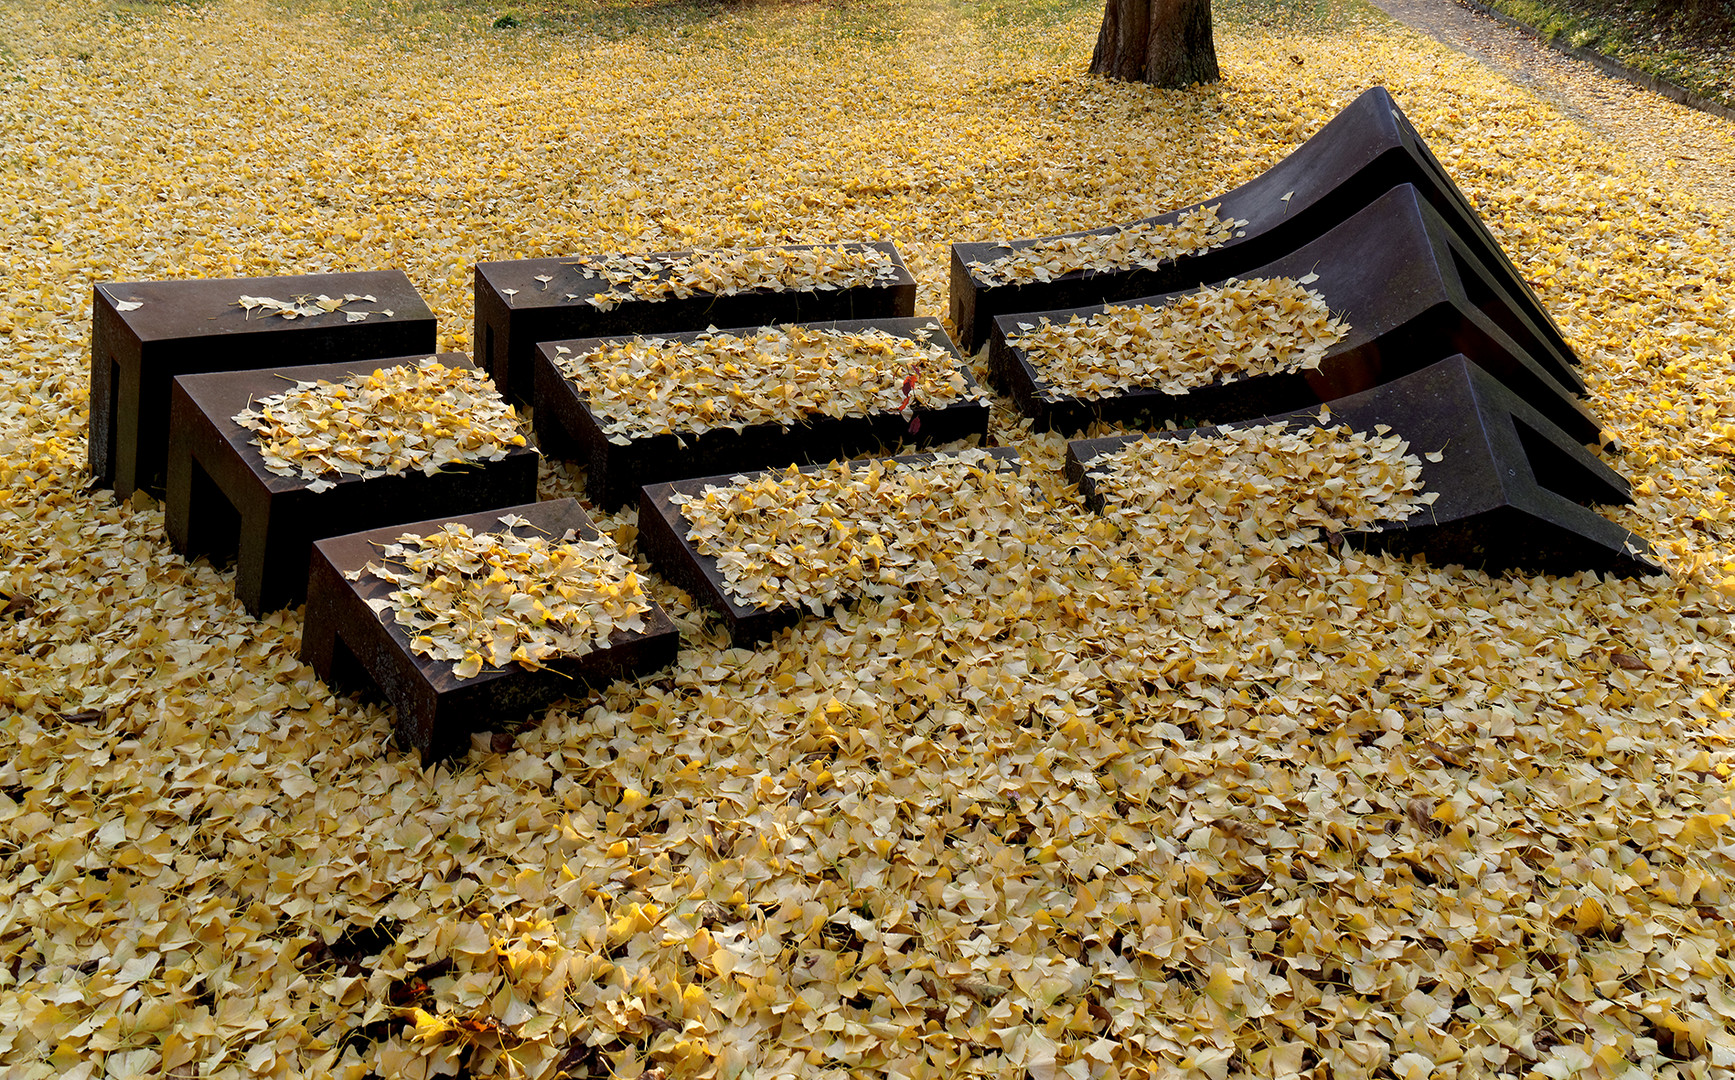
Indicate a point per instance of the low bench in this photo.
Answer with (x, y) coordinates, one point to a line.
(144, 333)
(1412, 292)
(566, 425)
(1511, 486)
(352, 648)
(663, 540)
(523, 302)
(222, 500)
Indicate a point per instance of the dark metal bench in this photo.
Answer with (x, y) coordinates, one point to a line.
(144, 333)
(1511, 485)
(663, 540)
(1365, 151)
(221, 499)
(350, 647)
(1412, 290)
(516, 309)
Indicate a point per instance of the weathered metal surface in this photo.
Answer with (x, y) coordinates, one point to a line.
(1511, 485)
(566, 427)
(221, 500)
(351, 648)
(144, 333)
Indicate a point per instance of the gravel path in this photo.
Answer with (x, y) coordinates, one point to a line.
(1677, 144)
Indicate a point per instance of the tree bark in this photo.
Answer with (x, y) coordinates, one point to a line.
(1162, 42)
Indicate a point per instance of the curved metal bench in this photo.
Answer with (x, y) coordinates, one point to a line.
(1511, 485)
(1413, 290)
(1365, 151)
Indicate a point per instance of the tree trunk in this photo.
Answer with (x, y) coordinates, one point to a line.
(1161, 42)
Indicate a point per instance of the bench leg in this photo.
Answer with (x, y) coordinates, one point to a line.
(196, 513)
(323, 647)
(272, 564)
(329, 655)
(123, 432)
(104, 408)
(426, 722)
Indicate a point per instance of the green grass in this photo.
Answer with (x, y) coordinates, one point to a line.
(616, 19)
(1694, 52)
(130, 12)
(1000, 14)
(873, 22)
(1289, 15)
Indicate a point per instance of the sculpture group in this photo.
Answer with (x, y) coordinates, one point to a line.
(303, 425)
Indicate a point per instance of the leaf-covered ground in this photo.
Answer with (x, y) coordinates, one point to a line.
(1132, 808)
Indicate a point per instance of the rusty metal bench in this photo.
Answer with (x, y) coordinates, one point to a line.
(352, 648)
(144, 333)
(523, 302)
(1412, 290)
(222, 501)
(566, 427)
(663, 540)
(1365, 151)
(1511, 485)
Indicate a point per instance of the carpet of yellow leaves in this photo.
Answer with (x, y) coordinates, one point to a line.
(1323, 813)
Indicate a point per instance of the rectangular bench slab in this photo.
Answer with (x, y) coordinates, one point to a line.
(1366, 150)
(1410, 288)
(221, 499)
(144, 333)
(663, 540)
(516, 311)
(1511, 485)
(566, 426)
(352, 648)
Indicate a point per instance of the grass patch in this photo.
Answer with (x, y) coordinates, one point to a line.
(1297, 16)
(617, 19)
(875, 22)
(1690, 44)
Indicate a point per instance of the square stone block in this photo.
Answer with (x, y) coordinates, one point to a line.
(566, 427)
(221, 499)
(515, 311)
(663, 540)
(144, 333)
(350, 647)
